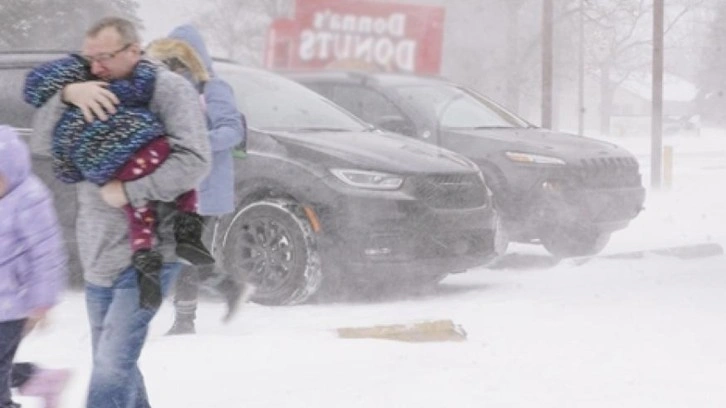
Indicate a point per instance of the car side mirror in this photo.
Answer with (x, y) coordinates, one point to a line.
(397, 124)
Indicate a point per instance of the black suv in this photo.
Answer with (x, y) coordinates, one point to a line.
(566, 192)
(321, 196)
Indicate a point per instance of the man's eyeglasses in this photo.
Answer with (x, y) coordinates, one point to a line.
(105, 56)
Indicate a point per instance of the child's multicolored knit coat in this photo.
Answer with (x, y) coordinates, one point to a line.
(96, 151)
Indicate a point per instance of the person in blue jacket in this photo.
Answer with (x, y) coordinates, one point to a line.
(226, 126)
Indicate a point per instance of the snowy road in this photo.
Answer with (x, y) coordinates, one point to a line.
(644, 332)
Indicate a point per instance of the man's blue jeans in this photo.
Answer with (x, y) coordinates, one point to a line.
(118, 332)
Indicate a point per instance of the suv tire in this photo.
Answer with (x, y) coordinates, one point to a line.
(271, 244)
(564, 242)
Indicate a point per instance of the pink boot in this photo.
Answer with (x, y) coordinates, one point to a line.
(46, 384)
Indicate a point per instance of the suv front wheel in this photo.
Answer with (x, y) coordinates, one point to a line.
(271, 244)
(565, 242)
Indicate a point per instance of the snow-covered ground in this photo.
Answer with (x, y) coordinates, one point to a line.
(645, 332)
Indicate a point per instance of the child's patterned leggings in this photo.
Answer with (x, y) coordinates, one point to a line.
(142, 220)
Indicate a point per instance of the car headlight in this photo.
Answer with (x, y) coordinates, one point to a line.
(530, 158)
(368, 179)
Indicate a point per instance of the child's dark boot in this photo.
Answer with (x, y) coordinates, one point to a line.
(188, 228)
(149, 263)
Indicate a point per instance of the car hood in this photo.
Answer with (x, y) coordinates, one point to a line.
(372, 151)
(566, 146)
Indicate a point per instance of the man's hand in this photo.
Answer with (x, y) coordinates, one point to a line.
(113, 194)
(92, 97)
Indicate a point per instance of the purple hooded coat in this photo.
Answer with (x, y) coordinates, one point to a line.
(32, 252)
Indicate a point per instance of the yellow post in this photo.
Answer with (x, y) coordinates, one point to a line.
(668, 166)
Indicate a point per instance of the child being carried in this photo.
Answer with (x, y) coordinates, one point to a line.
(129, 145)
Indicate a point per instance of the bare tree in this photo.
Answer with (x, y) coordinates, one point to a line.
(619, 36)
(712, 72)
(618, 45)
(238, 29)
(513, 27)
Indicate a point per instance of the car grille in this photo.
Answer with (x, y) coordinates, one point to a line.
(451, 191)
(609, 172)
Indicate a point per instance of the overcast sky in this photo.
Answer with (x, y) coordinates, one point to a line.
(161, 16)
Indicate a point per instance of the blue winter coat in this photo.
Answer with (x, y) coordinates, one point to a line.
(226, 130)
(96, 151)
(32, 252)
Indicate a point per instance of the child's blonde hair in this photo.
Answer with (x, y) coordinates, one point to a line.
(172, 51)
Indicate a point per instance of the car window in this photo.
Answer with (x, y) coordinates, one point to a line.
(323, 89)
(365, 103)
(13, 110)
(457, 108)
(271, 102)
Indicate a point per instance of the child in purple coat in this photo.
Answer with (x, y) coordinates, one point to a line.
(32, 267)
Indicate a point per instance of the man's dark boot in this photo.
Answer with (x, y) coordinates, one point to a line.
(148, 263)
(183, 324)
(188, 228)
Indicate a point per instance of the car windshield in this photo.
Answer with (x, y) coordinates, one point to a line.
(458, 108)
(271, 102)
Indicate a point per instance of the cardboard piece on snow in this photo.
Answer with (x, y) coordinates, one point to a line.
(429, 331)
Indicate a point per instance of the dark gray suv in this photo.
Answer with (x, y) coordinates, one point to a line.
(566, 192)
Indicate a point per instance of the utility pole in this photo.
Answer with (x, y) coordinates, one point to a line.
(581, 74)
(547, 63)
(656, 159)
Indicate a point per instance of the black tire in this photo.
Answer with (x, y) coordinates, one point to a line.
(569, 242)
(271, 244)
(427, 282)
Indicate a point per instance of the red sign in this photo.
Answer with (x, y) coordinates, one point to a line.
(348, 33)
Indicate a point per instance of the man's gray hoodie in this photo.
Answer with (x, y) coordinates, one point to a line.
(101, 230)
